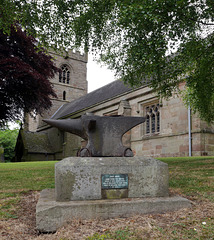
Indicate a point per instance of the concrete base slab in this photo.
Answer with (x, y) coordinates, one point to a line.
(50, 214)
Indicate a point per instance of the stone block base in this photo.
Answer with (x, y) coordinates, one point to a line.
(78, 178)
(50, 214)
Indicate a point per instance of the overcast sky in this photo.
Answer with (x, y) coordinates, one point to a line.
(97, 76)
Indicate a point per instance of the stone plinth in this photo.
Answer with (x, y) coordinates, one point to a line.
(51, 215)
(80, 178)
(88, 188)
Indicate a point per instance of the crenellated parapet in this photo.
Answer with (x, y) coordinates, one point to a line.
(72, 54)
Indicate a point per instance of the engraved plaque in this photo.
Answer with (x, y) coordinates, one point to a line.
(114, 181)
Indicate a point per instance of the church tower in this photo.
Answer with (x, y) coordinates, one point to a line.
(69, 84)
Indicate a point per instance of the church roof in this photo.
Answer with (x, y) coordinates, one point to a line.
(102, 94)
(36, 142)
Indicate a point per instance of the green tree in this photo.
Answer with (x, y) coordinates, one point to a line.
(8, 141)
(165, 41)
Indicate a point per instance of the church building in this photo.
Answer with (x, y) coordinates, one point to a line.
(169, 130)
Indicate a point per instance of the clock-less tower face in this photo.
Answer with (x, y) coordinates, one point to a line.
(69, 84)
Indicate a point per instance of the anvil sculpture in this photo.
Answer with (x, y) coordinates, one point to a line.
(104, 133)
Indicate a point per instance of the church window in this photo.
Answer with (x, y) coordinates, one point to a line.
(158, 121)
(153, 122)
(152, 114)
(147, 124)
(64, 95)
(64, 74)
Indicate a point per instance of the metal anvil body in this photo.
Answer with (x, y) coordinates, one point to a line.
(104, 133)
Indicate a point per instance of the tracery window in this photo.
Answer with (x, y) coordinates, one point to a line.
(152, 114)
(64, 74)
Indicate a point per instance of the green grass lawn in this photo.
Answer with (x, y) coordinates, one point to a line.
(19, 178)
(26, 176)
(191, 177)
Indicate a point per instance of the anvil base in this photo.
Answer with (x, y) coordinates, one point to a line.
(84, 178)
(51, 215)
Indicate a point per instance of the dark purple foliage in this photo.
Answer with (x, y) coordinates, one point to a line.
(25, 71)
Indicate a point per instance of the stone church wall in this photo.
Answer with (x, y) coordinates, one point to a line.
(172, 140)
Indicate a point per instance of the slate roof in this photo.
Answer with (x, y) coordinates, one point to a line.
(109, 91)
(36, 142)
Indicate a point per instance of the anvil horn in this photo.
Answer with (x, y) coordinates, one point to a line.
(68, 125)
(126, 123)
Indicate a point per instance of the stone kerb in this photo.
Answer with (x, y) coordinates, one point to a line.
(79, 178)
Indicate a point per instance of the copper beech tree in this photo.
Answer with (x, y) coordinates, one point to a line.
(25, 71)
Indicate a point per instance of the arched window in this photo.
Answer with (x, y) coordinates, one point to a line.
(152, 114)
(64, 95)
(64, 74)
